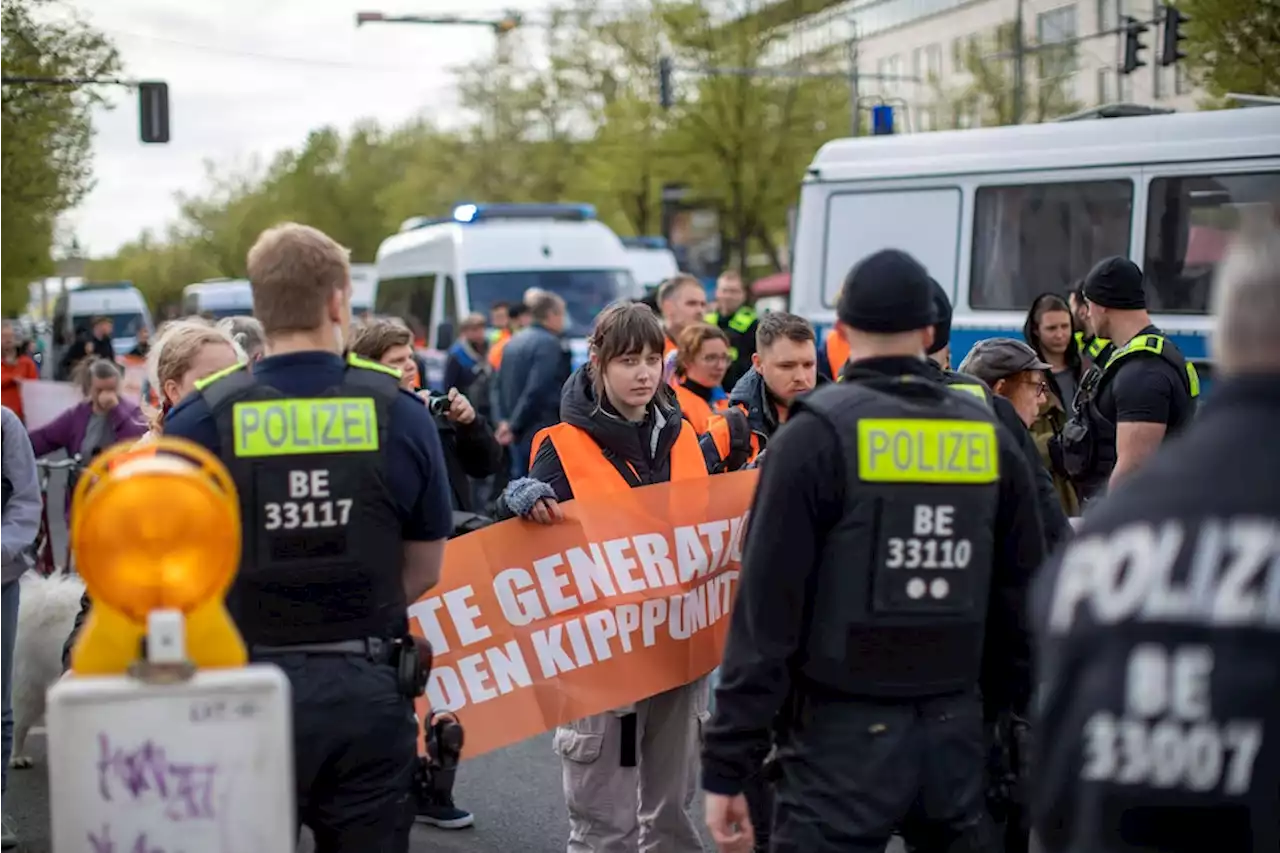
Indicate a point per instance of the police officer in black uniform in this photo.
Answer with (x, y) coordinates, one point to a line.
(344, 503)
(896, 591)
(1144, 392)
(1158, 629)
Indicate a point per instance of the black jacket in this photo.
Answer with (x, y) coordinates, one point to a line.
(752, 394)
(641, 452)
(470, 450)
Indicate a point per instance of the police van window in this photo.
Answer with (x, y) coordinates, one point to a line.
(924, 223)
(1190, 221)
(409, 299)
(1031, 238)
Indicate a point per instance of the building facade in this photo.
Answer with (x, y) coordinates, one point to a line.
(921, 55)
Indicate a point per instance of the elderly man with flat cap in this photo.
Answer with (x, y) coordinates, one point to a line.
(1144, 392)
(871, 642)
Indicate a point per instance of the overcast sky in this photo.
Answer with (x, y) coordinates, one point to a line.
(251, 77)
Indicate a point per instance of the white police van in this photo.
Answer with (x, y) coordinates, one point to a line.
(119, 301)
(1001, 215)
(218, 298)
(651, 259)
(435, 271)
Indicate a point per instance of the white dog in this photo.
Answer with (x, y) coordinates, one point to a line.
(47, 611)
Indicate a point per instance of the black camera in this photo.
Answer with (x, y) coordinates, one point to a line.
(438, 405)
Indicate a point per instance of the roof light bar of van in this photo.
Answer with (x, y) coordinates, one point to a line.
(645, 242)
(487, 212)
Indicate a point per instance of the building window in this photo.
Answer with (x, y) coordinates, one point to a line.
(1190, 222)
(933, 62)
(1105, 84)
(1108, 15)
(917, 63)
(1181, 79)
(1031, 238)
(1057, 26)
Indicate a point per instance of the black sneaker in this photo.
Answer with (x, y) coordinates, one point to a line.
(442, 813)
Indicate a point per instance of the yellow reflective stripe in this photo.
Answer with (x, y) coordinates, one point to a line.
(893, 450)
(733, 353)
(742, 320)
(1193, 379)
(303, 426)
(713, 318)
(202, 384)
(356, 361)
(976, 390)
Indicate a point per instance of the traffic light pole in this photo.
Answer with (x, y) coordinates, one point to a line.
(153, 99)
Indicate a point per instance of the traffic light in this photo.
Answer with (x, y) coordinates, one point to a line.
(665, 68)
(153, 112)
(1133, 46)
(156, 528)
(1172, 37)
(507, 23)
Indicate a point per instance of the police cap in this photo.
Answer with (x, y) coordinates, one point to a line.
(999, 358)
(887, 293)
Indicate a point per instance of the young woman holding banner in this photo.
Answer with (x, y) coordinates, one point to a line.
(629, 774)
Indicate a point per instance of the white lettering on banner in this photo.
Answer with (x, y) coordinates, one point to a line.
(1167, 738)
(1231, 576)
(561, 582)
(560, 647)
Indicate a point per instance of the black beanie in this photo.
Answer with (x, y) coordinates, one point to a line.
(887, 293)
(942, 328)
(1116, 282)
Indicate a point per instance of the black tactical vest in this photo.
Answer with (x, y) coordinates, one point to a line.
(900, 602)
(1088, 440)
(322, 549)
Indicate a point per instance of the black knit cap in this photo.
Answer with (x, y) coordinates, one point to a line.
(1116, 282)
(942, 328)
(886, 293)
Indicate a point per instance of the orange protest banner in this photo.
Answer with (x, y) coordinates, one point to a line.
(534, 626)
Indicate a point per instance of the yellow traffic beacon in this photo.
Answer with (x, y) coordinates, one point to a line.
(164, 737)
(156, 529)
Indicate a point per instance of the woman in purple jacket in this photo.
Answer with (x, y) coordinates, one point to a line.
(101, 420)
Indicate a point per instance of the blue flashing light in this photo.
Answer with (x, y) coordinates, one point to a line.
(645, 242)
(882, 120)
(469, 213)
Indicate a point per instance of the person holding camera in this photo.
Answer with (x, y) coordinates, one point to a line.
(470, 451)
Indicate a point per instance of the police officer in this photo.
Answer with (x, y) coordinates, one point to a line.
(1144, 392)
(1057, 528)
(737, 319)
(345, 505)
(1159, 628)
(895, 592)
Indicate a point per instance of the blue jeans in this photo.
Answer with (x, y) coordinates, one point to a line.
(8, 636)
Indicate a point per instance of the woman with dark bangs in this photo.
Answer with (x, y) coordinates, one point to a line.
(621, 428)
(1049, 331)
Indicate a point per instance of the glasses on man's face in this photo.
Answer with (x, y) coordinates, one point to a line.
(1041, 387)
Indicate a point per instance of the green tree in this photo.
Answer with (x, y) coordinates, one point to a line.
(45, 133)
(744, 138)
(1233, 45)
(989, 97)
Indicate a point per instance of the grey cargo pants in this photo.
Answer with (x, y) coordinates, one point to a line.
(642, 809)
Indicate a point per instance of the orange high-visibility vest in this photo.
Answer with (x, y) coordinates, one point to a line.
(837, 352)
(696, 410)
(591, 475)
(495, 350)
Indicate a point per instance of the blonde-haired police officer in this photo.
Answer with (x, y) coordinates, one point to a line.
(894, 533)
(345, 506)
